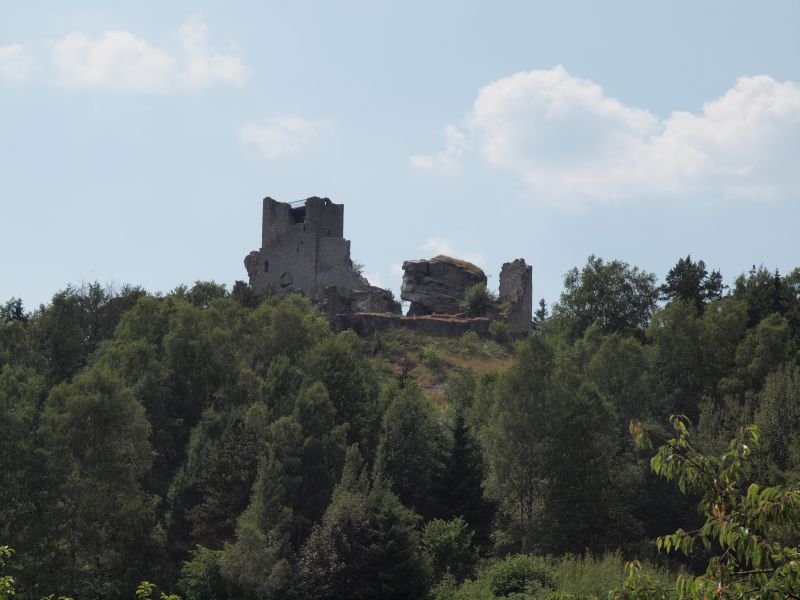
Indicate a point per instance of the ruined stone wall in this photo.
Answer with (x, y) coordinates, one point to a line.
(516, 291)
(368, 323)
(288, 264)
(333, 264)
(303, 251)
(326, 216)
(276, 220)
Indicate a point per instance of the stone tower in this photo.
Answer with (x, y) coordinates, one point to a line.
(303, 250)
(516, 291)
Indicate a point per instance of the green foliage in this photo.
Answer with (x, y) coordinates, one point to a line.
(431, 358)
(146, 589)
(500, 332)
(766, 292)
(520, 574)
(6, 581)
(358, 267)
(590, 576)
(200, 577)
(259, 562)
(689, 281)
(750, 527)
(367, 545)
(778, 418)
(613, 296)
(411, 451)
(461, 492)
(449, 546)
(337, 363)
(202, 293)
(540, 315)
(763, 348)
(13, 310)
(233, 443)
(97, 433)
(567, 494)
(477, 300)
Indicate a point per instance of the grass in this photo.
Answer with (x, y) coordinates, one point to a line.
(432, 361)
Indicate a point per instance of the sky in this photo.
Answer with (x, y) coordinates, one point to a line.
(138, 139)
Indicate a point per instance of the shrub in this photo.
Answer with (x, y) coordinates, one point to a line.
(468, 344)
(477, 300)
(500, 332)
(520, 574)
(449, 545)
(429, 357)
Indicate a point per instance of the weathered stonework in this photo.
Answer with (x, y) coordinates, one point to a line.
(516, 292)
(438, 285)
(438, 325)
(303, 251)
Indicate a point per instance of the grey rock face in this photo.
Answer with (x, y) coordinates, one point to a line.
(516, 292)
(438, 285)
(366, 299)
(375, 300)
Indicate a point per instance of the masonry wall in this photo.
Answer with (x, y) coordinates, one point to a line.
(276, 220)
(516, 290)
(326, 216)
(368, 323)
(302, 248)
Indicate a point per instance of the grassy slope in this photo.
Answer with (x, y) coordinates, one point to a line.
(432, 361)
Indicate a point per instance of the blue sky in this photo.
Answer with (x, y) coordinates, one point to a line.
(137, 139)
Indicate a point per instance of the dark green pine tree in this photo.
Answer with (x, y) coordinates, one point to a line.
(540, 314)
(367, 545)
(690, 281)
(460, 492)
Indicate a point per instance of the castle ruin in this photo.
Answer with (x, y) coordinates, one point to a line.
(303, 251)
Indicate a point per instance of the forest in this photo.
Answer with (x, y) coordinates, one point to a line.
(642, 442)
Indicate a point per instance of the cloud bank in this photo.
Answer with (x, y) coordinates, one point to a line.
(569, 142)
(15, 64)
(120, 60)
(280, 137)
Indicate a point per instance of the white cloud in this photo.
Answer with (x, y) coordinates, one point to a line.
(122, 61)
(437, 246)
(374, 279)
(446, 160)
(15, 64)
(118, 60)
(279, 137)
(203, 67)
(567, 141)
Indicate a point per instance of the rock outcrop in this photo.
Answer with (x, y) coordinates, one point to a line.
(365, 299)
(438, 285)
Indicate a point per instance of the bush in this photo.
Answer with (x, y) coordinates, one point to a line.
(200, 576)
(500, 332)
(449, 545)
(477, 300)
(587, 576)
(468, 344)
(520, 574)
(429, 357)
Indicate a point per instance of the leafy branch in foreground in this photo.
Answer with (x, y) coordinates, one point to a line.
(6, 581)
(751, 529)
